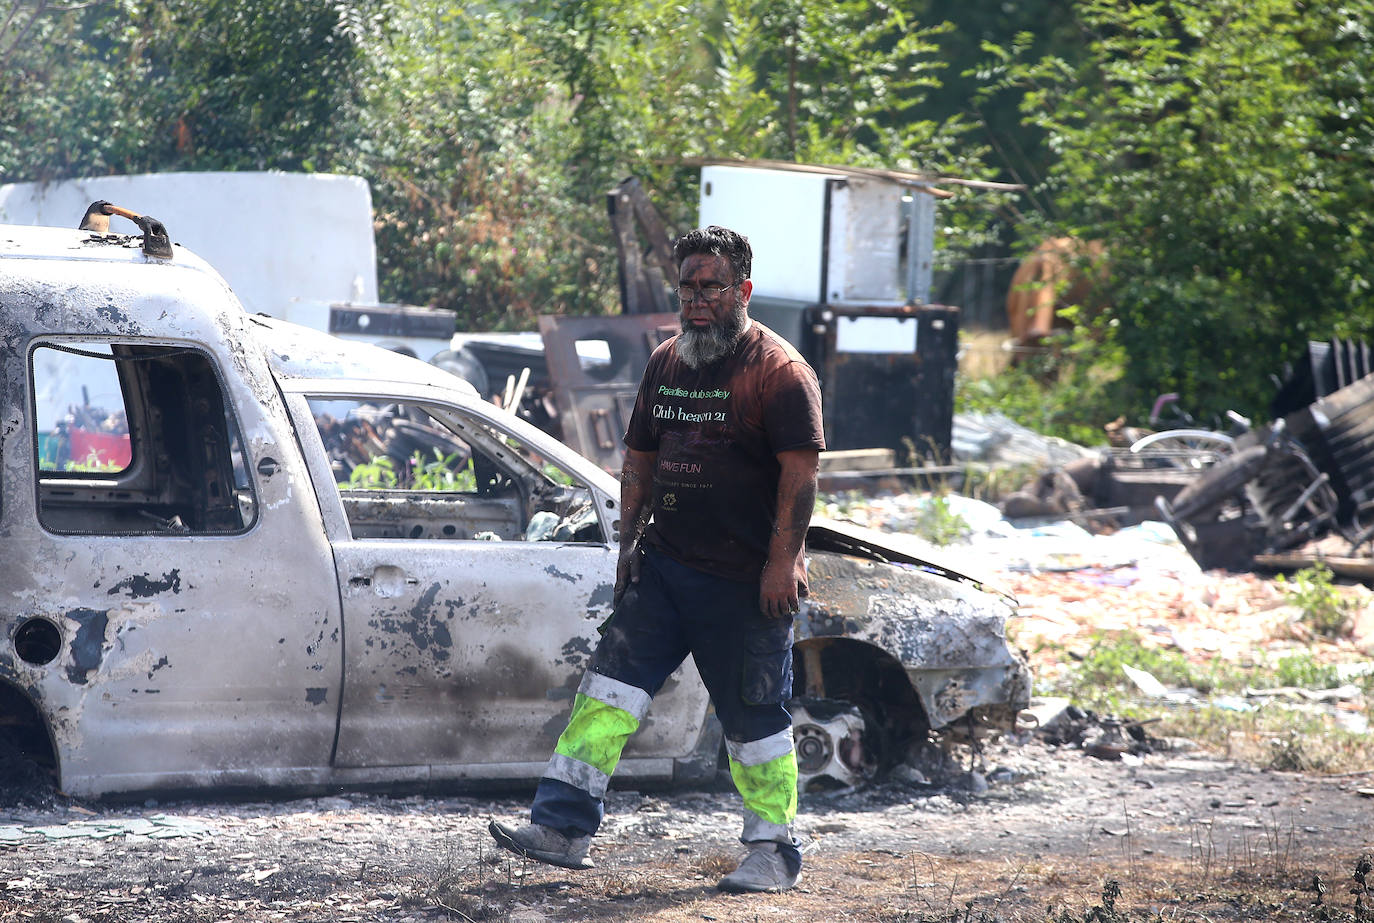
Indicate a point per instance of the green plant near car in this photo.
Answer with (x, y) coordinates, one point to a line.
(938, 523)
(379, 473)
(441, 473)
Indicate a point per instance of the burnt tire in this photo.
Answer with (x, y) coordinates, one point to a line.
(1219, 483)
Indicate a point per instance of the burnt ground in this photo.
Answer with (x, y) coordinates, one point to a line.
(1031, 831)
(1035, 829)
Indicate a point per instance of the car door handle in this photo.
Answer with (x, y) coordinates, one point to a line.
(385, 580)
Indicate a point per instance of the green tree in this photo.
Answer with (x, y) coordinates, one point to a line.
(1221, 150)
(499, 130)
(124, 86)
(472, 152)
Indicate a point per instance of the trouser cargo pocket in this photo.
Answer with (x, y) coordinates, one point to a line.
(767, 666)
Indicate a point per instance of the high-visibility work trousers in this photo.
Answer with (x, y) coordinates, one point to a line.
(745, 660)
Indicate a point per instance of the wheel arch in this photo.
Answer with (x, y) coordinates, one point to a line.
(869, 677)
(26, 734)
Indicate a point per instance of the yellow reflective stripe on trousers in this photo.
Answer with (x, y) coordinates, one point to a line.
(596, 733)
(767, 783)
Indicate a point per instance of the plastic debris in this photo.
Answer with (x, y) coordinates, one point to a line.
(1145, 682)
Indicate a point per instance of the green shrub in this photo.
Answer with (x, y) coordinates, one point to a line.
(1312, 591)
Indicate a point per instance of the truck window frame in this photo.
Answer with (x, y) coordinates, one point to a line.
(188, 474)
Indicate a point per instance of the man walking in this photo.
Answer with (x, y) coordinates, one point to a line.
(717, 490)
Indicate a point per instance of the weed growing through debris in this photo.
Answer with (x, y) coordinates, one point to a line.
(463, 889)
(938, 524)
(1323, 608)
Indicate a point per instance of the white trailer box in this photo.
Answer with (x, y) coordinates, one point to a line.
(826, 238)
(277, 238)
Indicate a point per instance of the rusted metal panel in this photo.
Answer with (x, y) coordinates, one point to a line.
(595, 397)
(647, 270)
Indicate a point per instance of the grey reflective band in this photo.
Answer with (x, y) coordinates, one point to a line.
(757, 830)
(758, 752)
(630, 699)
(577, 774)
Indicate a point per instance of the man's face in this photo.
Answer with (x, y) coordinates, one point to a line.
(712, 321)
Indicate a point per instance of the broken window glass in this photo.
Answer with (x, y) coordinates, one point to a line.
(415, 471)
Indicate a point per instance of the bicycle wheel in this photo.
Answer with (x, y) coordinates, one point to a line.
(1186, 448)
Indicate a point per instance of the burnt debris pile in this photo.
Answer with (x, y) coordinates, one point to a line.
(1281, 495)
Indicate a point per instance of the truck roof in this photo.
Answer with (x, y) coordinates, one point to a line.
(27, 242)
(106, 285)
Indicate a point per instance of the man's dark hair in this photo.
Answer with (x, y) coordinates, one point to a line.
(717, 241)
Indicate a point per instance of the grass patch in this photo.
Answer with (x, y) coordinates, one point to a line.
(1289, 730)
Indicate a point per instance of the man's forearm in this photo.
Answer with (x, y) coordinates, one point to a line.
(783, 577)
(636, 495)
(796, 502)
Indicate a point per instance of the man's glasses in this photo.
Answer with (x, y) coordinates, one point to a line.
(686, 293)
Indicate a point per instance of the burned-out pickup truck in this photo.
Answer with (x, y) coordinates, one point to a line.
(240, 554)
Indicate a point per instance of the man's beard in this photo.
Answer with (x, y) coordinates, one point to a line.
(703, 347)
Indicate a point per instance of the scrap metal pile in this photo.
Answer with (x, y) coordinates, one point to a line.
(1281, 495)
(1299, 488)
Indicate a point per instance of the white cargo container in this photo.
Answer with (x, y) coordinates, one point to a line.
(826, 238)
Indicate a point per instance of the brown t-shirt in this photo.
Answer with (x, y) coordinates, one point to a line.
(717, 431)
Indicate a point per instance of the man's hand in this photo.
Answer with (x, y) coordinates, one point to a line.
(626, 570)
(778, 589)
(636, 506)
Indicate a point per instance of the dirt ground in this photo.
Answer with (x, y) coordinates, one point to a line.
(1027, 830)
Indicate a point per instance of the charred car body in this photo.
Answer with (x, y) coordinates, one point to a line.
(238, 553)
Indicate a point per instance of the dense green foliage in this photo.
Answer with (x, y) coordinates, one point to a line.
(500, 129)
(124, 86)
(1222, 151)
(490, 132)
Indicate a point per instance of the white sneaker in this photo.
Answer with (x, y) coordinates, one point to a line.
(535, 841)
(762, 870)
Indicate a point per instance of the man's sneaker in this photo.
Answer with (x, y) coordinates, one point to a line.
(535, 841)
(762, 870)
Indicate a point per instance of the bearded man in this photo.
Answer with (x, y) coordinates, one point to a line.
(716, 495)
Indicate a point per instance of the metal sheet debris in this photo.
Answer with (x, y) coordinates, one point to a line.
(156, 827)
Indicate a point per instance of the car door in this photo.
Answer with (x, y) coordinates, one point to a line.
(174, 566)
(475, 570)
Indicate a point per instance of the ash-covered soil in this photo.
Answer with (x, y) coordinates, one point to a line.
(1027, 828)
